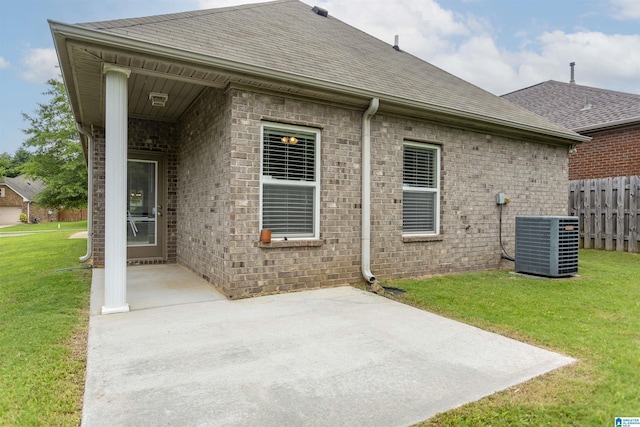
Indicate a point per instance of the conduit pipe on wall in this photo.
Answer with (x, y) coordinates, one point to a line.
(82, 130)
(366, 190)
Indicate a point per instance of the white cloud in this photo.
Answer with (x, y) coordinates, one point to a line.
(602, 60)
(421, 24)
(211, 4)
(610, 61)
(626, 9)
(39, 65)
(479, 61)
(466, 45)
(4, 63)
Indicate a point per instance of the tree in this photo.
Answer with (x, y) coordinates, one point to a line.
(11, 165)
(5, 162)
(57, 155)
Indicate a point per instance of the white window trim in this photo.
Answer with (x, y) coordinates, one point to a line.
(316, 184)
(426, 190)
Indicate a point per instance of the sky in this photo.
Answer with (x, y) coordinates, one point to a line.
(498, 45)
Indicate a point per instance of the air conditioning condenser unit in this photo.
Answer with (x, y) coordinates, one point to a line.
(547, 245)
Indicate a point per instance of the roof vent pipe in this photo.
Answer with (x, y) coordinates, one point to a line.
(320, 11)
(572, 65)
(395, 43)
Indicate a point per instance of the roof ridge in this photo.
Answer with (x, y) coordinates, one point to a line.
(525, 88)
(167, 17)
(599, 89)
(339, 57)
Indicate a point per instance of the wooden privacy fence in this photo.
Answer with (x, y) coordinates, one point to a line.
(68, 215)
(609, 212)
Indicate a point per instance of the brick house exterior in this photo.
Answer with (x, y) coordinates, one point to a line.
(611, 152)
(611, 119)
(216, 138)
(17, 197)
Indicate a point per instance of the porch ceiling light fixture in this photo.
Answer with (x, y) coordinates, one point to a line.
(158, 99)
(289, 140)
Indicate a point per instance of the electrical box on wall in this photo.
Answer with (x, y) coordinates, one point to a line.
(500, 199)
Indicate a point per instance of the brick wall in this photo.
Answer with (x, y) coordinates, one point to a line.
(294, 265)
(97, 224)
(219, 190)
(32, 210)
(203, 189)
(145, 136)
(475, 167)
(608, 154)
(35, 211)
(11, 198)
(213, 162)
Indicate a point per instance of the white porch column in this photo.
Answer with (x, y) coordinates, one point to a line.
(115, 225)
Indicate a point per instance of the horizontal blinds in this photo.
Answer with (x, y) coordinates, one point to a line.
(418, 212)
(419, 167)
(292, 161)
(287, 210)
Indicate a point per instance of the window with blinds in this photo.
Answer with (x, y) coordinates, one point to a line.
(290, 201)
(420, 189)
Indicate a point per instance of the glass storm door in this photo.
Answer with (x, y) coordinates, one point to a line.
(144, 232)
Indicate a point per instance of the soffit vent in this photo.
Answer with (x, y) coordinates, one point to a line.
(320, 11)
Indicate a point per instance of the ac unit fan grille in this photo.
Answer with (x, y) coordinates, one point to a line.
(547, 246)
(568, 243)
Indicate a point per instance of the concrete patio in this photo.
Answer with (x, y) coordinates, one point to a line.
(186, 356)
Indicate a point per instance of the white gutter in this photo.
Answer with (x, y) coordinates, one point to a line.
(366, 190)
(82, 130)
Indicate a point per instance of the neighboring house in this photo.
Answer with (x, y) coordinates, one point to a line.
(17, 197)
(610, 118)
(202, 128)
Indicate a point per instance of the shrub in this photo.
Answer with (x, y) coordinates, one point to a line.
(23, 218)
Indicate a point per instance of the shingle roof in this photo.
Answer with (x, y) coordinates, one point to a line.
(27, 188)
(577, 107)
(286, 36)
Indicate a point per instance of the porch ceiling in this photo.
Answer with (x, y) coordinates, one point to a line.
(182, 84)
(180, 81)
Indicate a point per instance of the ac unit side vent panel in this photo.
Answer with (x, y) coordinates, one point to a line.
(547, 245)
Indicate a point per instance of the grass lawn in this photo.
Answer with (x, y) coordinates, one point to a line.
(43, 325)
(594, 318)
(45, 226)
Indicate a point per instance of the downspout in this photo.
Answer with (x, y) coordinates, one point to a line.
(82, 130)
(366, 192)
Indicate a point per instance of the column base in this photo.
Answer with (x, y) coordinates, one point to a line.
(112, 310)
